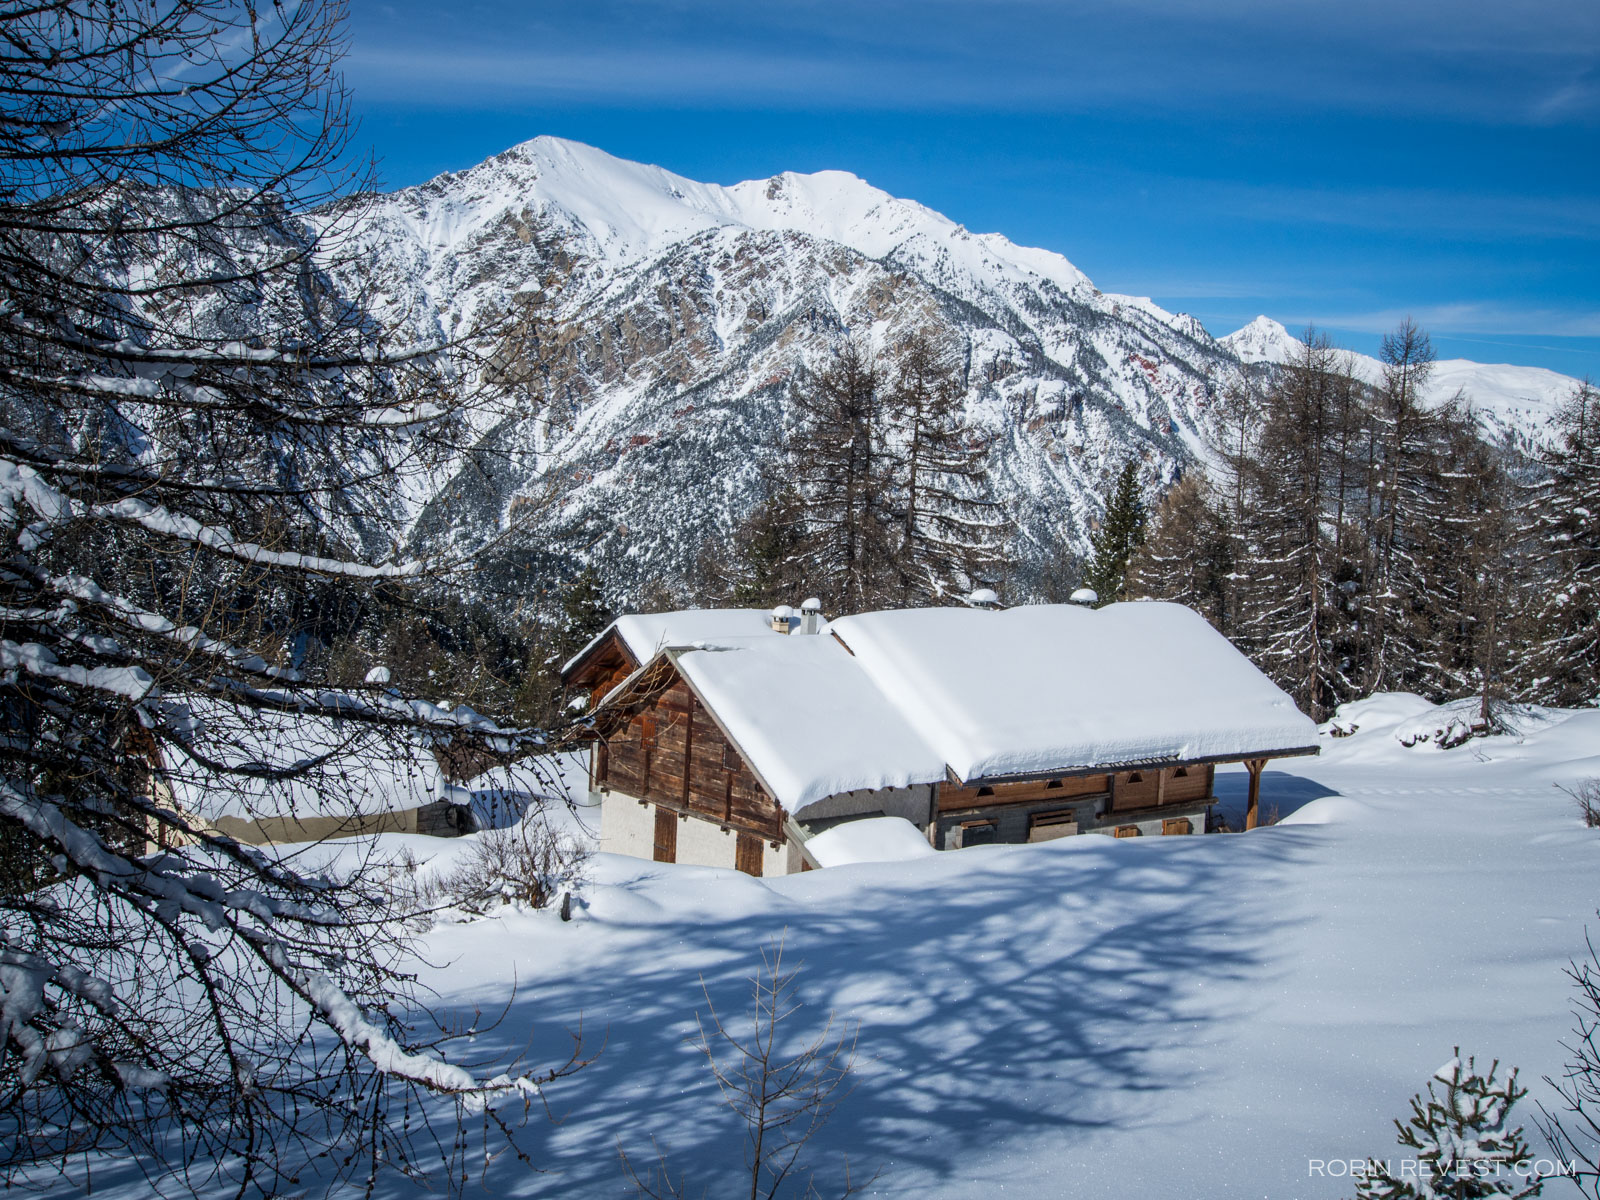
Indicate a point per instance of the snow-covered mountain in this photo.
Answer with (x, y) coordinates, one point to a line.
(1515, 404)
(657, 326)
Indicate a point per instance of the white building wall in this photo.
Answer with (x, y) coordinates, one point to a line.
(629, 827)
(626, 826)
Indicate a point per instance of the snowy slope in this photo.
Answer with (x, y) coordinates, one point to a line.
(1511, 402)
(1194, 1017)
(1197, 1016)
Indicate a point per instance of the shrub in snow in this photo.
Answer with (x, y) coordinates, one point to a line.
(1587, 794)
(1458, 1141)
(525, 863)
(1574, 1131)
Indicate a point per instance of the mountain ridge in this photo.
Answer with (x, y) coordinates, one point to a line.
(660, 323)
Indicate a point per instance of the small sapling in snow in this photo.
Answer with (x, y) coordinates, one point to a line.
(1459, 1143)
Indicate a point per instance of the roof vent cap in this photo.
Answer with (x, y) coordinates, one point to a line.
(811, 615)
(782, 616)
(984, 598)
(1085, 596)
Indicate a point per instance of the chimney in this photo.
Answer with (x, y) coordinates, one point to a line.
(984, 598)
(782, 618)
(810, 615)
(1085, 596)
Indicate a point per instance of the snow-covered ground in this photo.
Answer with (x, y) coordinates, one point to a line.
(1173, 1017)
(1189, 1017)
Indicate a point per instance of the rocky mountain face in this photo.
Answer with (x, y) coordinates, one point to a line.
(657, 326)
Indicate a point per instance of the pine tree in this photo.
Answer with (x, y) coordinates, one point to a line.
(1403, 492)
(1460, 1138)
(1562, 663)
(844, 482)
(1120, 534)
(584, 612)
(948, 531)
(1290, 606)
(762, 564)
(1186, 557)
(1466, 552)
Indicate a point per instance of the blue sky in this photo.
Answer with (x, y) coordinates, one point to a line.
(1343, 164)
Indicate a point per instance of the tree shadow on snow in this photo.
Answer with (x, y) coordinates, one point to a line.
(1045, 990)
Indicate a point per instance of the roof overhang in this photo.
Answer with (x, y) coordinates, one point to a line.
(1142, 764)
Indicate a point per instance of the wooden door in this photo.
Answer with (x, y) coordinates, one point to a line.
(747, 854)
(666, 835)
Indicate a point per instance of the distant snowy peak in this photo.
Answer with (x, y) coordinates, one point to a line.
(1508, 399)
(631, 212)
(1263, 340)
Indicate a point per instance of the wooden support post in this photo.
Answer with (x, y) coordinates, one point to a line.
(1252, 812)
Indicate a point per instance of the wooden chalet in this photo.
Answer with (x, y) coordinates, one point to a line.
(731, 737)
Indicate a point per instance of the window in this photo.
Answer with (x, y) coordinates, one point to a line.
(1135, 777)
(1054, 783)
(980, 833)
(986, 791)
(1181, 773)
(1127, 831)
(1047, 826)
(1177, 825)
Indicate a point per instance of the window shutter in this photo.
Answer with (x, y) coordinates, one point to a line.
(747, 854)
(666, 849)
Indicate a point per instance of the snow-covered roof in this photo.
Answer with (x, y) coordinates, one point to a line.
(900, 698)
(334, 768)
(1057, 687)
(806, 718)
(644, 634)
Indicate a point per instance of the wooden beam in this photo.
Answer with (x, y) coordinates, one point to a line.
(688, 749)
(1252, 812)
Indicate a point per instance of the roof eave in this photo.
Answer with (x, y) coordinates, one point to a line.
(1142, 764)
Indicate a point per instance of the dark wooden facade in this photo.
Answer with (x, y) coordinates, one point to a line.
(663, 747)
(606, 664)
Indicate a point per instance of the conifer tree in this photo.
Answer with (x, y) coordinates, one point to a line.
(1186, 557)
(584, 612)
(1562, 663)
(764, 564)
(948, 530)
(844, 481)
(1461, 1138)
(1469, 571)
(1402, 489)
(1120, 534)
(1289, 610)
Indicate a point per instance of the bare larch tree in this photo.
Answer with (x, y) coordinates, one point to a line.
(200, 442)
